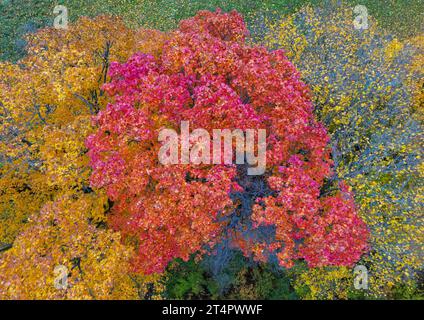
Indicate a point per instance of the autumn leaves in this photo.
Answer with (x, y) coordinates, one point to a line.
(83, 187)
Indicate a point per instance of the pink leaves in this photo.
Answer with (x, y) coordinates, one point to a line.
(339, 236)
(208, 76)
(224, 26)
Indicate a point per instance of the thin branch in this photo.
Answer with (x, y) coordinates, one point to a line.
(105, 63)
(37, 108)
(5, 246)
(87, 103)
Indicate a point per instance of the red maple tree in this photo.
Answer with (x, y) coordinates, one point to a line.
(208, 75)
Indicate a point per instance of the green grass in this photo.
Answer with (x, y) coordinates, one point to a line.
(17, 17)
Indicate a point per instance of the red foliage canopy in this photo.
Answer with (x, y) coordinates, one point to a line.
(208, 75)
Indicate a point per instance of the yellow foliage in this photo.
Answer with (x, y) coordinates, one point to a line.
(325, 283)
(61, 234)
(46, 103)
(369, 94)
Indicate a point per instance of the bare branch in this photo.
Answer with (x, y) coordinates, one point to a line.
(87, 103)
(5, 246)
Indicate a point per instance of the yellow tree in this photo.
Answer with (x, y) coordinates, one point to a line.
(46, 103)
(360, 80)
